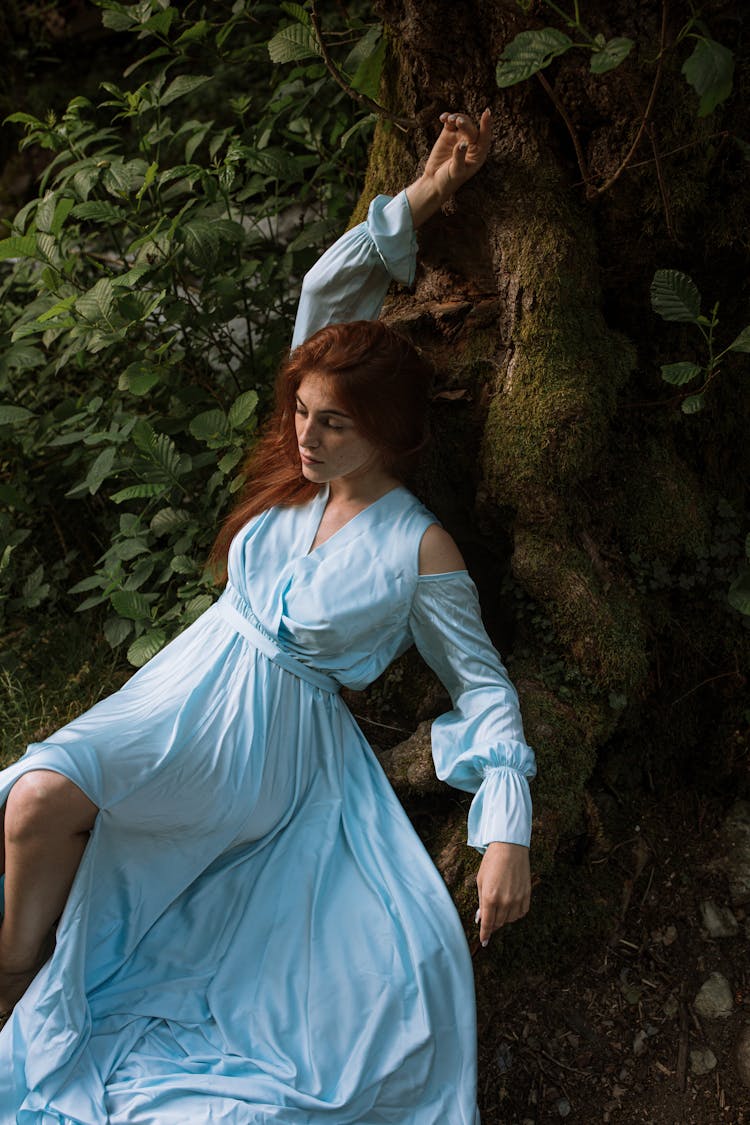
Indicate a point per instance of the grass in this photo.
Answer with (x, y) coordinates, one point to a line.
(51, 670)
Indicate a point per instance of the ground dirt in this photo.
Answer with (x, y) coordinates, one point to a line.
(611, 1036)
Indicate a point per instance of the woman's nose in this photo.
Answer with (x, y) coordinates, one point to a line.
(308, 435)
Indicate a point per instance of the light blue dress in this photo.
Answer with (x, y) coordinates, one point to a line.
(256, 933)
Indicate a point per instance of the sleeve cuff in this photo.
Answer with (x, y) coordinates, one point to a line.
(391, 227)
(501, 810)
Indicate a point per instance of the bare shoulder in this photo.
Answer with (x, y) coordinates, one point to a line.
(438, 552)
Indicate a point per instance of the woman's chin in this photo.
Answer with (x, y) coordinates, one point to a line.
(314, 473)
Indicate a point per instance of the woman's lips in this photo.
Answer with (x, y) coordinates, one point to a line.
(309, 460)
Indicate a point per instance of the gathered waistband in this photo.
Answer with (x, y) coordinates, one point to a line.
(244, 621)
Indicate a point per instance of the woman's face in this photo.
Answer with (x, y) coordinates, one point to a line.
(329, 443)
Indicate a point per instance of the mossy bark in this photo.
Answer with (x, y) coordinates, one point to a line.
(574, 478)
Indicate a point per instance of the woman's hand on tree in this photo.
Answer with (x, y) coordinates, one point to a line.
(504, 886)
(458, 153)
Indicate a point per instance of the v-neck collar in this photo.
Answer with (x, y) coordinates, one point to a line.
(318, 508)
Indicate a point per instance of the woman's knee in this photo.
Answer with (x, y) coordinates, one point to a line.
(43, 802)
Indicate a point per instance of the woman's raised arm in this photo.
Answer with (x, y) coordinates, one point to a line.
(351, 279)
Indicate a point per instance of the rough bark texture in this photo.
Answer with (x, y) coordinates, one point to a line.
(589, 507)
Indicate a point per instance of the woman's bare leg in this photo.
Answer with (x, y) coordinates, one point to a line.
(47, 825)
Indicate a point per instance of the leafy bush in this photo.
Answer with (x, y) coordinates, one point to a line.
(147, 296)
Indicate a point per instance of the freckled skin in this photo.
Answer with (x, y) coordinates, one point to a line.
(330, 445)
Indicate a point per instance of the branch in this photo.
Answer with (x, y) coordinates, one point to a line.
(662, 188)
(590, 191)
(657, 79)
(404, 123)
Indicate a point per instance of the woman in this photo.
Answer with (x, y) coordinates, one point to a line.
(250, 929)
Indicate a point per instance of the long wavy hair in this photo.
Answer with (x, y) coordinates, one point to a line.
(379, 379)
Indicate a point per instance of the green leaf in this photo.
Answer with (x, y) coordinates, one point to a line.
(196, 606)
(363, 48)
(138, 492)
(131, 604)
(18, 247)
(23, 119)
(679, 373)
(45, 212)
(22, 357)
(194, 33)
(118, 21)
(367, 75)
(296, 11)
(611, 55)
(161, 21)
(62, 210)
(128, 549)
(675, 296)
(201, 241)
(168, 520)
(742, 343)
(196, 139)
(84, 179)
(242, 409)
(210, 426)
(293, 42)
(100, 469)
(99, 303)
(739, 592)
(183, 564)
(138, 378)
(710, 71)
(99, 211)
(692, 404)
(57, 309)
(146, 646)
(182, 85)
(116, 629)
(12, 414)
(123, 177)
(230, 459)
(148, 179)
(530, 52)
(93, 582)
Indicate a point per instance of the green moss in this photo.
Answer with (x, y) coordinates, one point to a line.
(663, 512)
(548, 420)
(601, 627)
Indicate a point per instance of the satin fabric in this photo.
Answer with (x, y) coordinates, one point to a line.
(256, 933)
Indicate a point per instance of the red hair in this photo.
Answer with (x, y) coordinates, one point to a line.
(379, 379)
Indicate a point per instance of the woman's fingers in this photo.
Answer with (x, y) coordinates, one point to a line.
(491, 918)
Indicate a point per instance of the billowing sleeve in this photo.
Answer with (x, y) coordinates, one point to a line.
(479, 746)
(350, 281)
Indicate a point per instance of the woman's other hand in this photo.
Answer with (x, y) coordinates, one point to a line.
(504, 886)
(458, 153)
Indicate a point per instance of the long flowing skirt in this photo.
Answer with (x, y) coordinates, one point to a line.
(255, 933)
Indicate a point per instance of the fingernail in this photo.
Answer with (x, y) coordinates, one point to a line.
(484, 943)
(459, 120)
(488, 110)
(477, 915)
(464, 145)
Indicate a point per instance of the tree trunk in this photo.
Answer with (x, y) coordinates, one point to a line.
(602, 524)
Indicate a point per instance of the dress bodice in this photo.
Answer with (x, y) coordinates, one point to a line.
(343, 607)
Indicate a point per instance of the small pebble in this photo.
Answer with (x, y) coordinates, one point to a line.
(702, 1061)
(719, 921)
(714, 1000)
(563, 1107)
